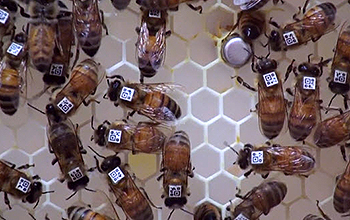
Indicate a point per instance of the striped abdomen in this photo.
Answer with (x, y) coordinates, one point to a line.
(312, 217)
(162, 105)
(9, 91)
(207, 211)
(271, 115)
(82, 213)
(176, 154)
(341, 196)
(251, 24)
(343, 44)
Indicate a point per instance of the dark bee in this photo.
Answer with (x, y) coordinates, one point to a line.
(12, 74)
(19, 185)
(88, 23)
(316, 22)
(305, 110)
(120, 4)
(253, 5)
(83, 213)
(176, 168)
(315, 217)
(128, 195)
(8, 9)
(59, 68)
(260, 200)
(151, 43)
(150, 100)
(338, 81)
(144, 137)
(167, 4)
(263, 159)
(207, 211)
(271, 106)
(341, 196)
(251, 24)
(83, 82)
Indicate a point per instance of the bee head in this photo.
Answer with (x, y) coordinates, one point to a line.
(148, 71)
(35, 192)
(174, 203)
(79, 184)
(243, 157)
(312, 69)
(52, 113)
(99, 135)
(265, 65)
(109, 163)
(274, 36)
(10, 5)
(21, 37)
(114, 88)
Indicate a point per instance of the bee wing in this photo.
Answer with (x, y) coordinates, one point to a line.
(141, 45)
(158, 87)
(345, 28)
(241, 2)
(158, 49)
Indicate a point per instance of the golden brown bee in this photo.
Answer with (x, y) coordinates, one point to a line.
(83, 213)
(129, 197)
(263, 159)
(207, 211)
(305, 111)
(59, 68)
(253, 5)
(167, 4)
(19, 185)
(315, 217)
(151, 43)
(144, 137)
(84, 80)
(66, 145)
(338, 81)
(88, 25)
(341, 196)
(149, 100)
(260, 200)
(12, 74)
(316, 22)
(271, 106)
(176, 168)
(8, 9)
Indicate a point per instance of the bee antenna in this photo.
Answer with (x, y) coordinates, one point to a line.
(92, 122)
(170, 214)
(96, 153)
(35, 108)
(36, 204)
(90, 190)
(309, 57)
(29, 215)
(46, 192)
(188, 212)
(269, 51)
(73, 194)
(227, 145)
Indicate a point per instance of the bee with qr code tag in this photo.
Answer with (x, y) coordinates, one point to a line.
(8, 8)
(253, 5)
(149, 99)
(339, 80)
(305, 111)
(85, 78)
(260, 200)
(271, 106)
(151, 42)
(316, 22)
(135, 204)
(262, 159)
(207, 211)
(176, 167)
(172, 5)
(88, 21)
(315, 217)
(145, 137)
(13, 69)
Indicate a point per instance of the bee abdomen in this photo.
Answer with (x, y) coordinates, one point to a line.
(81, 213)
(312, 217)
(300, 127)
(329, 9)
(272, 127)
(341, 198)
(251, 26)
(91, 43)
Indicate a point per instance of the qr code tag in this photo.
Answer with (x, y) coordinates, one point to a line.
(270, 79)
(153, 13)
(340, 76)
(290, 38)
(116, 175)
(14, 49)
(56, 69)
(65, 105)
(75, 174)
(257, 157)
(23, 185)
(3, 16)
(127, 93)
(241, 217)
(175, 191)
(114, 136)
(309, 83)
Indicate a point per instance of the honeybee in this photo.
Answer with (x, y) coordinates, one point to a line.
(271, 106)
(263, 159)
(251, 24)
(8, 9)
(341, 196)
(316, 22)
(19, 185)
(144, 137)
(305, 111)
(120, 4)
(151, 42)
(167, 4)
(260, 200)
(149, 100)
(88, 23)
(41, 32)
(58, 71)
(83, 213)
(176, 168)
(12, 74)
(84, 80)
(338, 81)
(253, 5)
(129, 197)
(314, 217)
(207, 211)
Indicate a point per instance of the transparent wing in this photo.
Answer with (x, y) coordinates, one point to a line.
(157, 55)
(141, 45)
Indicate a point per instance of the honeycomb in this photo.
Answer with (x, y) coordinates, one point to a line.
(215, 109)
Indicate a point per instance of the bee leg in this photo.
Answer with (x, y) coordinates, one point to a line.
(342, 150)
(274, 23)
(12, 165)
(54, 161)
(103, 22)
(149, 200)
(264, 176)
(296, 14)
(25, 166)
(314, 39)
(198, 8)
(346, 98)
(2, 218)
(321, 211)
(141, 78)
(130, 114)
(31, 216)
(160, 176)
(77, 53)
(98, 165)
(137, 29)
(168, 33)
(7, 201)
(241, 81)
(289, 70)
(305, 5)
(246, 174)
(61, 179)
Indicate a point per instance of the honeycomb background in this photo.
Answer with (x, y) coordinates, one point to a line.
(215, 109)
